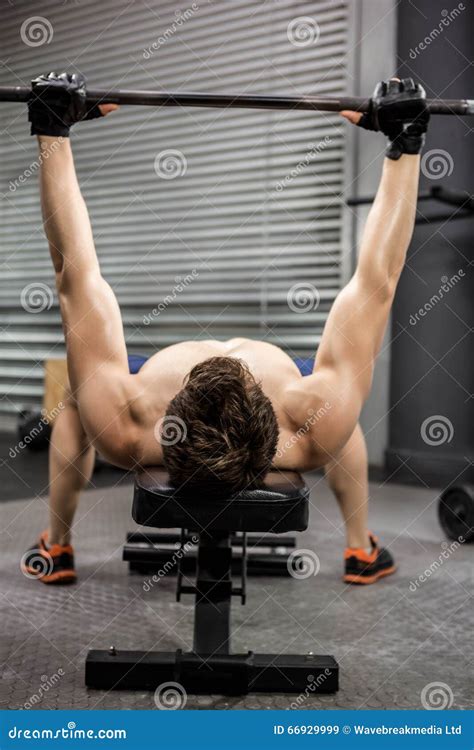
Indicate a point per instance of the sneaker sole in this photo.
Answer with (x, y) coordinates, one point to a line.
(361, 580)
(61, 577)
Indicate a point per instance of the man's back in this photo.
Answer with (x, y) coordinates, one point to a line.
(164, 374)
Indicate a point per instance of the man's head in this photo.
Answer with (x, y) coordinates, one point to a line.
(231, 429)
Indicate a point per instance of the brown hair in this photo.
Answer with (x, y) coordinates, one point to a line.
(230, 430)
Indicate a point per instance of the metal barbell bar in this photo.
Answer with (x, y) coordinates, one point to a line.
(252, 101)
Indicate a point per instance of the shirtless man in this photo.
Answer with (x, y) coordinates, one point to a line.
(241, 405)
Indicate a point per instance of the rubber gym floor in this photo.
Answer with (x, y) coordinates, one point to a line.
(392, 639)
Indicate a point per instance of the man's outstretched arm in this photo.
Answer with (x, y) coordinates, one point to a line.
(96, 352)
(356, 324)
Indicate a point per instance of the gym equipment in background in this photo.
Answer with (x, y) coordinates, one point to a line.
(456, 512)
(34, 425)
(33, 429)
(456, 504)
(459, 199)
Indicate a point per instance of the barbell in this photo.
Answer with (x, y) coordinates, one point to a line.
(252, 101)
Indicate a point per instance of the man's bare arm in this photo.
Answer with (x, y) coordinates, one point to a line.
(355, 327)
(97, 357)
(356, 323)
(354, 330)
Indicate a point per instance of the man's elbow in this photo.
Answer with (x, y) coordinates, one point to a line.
(377, 285)
(69, 279)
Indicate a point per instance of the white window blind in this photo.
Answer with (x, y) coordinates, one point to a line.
(256, 210)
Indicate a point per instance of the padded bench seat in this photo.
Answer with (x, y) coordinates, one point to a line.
(280, 505)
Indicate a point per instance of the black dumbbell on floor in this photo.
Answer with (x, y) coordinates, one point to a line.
(456, 512)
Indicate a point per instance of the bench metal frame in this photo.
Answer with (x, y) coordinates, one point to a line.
(210, 668)
(150, 552)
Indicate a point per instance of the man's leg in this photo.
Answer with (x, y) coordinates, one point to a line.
(347, 476)
(71, 463)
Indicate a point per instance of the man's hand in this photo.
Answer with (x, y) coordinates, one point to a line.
(59, 101)
(397, 109)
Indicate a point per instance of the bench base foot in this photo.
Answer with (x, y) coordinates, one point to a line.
(221, 674)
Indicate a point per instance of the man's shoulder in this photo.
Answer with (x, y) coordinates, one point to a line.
(318, 418)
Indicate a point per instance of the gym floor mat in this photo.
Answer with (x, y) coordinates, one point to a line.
(392, 639)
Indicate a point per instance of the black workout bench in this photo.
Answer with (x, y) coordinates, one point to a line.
(278, 507)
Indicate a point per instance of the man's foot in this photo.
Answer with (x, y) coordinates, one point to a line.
(49, 564)
(367, 567)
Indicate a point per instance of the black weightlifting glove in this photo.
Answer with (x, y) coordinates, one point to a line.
(57, 102)
(398, 109)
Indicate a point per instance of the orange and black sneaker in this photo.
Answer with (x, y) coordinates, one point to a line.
(49, 564)
(367, 567)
